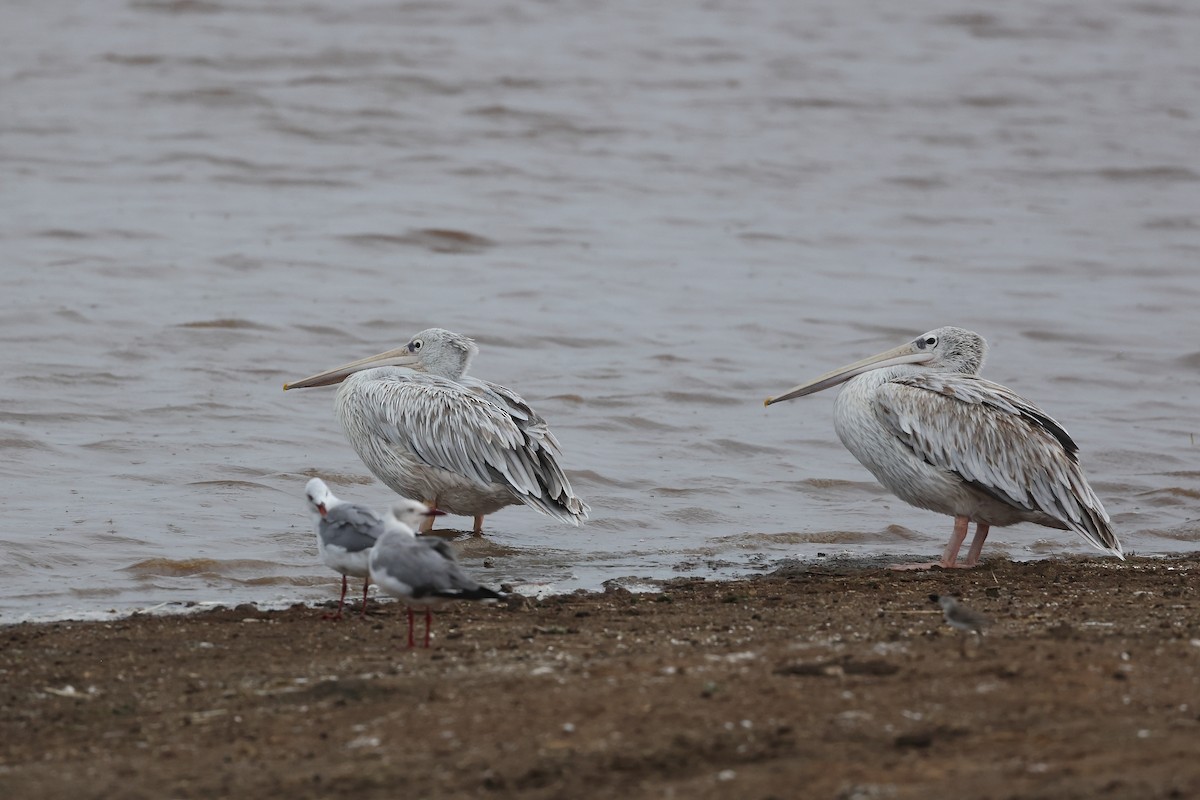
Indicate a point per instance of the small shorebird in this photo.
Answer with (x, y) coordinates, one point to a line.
(940, 437)
(463, 445)
(345, 535)
(961, 618)
(420, 571)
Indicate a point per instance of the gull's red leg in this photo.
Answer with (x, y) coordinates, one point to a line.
(341, 602)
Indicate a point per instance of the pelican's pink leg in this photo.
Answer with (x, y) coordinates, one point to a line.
(410, 628)
(428, 622)
(341, 603)
(981, 532)
(427, 525)
(478, 531)
(950, 554)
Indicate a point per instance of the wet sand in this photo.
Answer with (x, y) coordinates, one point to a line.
(822, 682)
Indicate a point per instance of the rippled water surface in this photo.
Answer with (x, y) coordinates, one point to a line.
(650, 216)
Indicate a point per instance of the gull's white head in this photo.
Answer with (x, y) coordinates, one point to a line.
(320, 499)
(407, 515)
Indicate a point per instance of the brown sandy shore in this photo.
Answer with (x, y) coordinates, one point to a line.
(819, 683)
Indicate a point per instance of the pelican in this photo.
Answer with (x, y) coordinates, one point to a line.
(419, 571)
(942, 438)
(463, 445)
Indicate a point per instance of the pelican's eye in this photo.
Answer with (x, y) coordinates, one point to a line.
(931, 341)
(414, 345)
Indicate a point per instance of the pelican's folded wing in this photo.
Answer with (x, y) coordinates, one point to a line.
(449, 426)
(533, 424)
(999, 442)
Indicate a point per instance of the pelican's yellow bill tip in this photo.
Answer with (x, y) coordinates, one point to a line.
(766, 402)
(286, 387)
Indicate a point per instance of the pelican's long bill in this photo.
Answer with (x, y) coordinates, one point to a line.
(904, 354)
(400, 357)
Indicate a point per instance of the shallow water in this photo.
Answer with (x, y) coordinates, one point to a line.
(650, 216)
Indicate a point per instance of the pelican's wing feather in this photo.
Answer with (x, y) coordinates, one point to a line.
(531, 422)
(534, 426)
(998, 442)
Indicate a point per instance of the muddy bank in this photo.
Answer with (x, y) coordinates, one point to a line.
(809, 684)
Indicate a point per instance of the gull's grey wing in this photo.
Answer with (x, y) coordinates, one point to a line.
(429, 567)
(999, 443)
(351, 527)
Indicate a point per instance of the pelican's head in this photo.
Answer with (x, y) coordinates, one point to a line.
(320, 499)
(433, 350)
(442, 352)
(946, 349)
(409, 514)
(956, 350)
